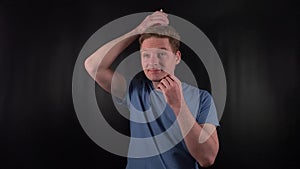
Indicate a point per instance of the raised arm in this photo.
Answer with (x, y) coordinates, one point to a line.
(98, 64)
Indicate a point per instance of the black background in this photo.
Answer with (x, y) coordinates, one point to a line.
(258, 43)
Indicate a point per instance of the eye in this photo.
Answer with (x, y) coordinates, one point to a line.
(146, 55)
(161, 54)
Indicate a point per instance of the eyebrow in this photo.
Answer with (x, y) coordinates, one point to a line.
(163, 48)
(146, 49)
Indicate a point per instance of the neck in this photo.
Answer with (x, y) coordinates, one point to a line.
(155, 84)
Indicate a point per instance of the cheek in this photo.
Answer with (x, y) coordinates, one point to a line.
(167, 62)
(143, 62)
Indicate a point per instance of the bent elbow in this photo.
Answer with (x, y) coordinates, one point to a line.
(209, 161)
(87, 65)
(90, 68)
(207, 164)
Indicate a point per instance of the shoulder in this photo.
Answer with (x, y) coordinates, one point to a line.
(194, 95)
(189, 89)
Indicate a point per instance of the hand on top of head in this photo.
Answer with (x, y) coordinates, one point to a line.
(154, 19)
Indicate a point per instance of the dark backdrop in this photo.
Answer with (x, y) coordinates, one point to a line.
(258, 43)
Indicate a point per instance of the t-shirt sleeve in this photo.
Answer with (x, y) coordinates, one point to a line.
(207, 112)
(123, 101)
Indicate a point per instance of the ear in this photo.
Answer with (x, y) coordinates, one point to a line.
(178, 57)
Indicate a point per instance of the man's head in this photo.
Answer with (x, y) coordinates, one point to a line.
(162, 32)
(160, 53)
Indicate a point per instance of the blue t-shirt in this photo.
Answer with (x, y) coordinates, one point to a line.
(156, 140)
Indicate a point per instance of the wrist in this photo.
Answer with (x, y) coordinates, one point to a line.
(137, 31)
(178, 107)
(134, 32)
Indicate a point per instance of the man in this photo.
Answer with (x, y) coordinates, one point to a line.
(158, 101)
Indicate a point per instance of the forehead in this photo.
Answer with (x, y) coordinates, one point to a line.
(155, 42)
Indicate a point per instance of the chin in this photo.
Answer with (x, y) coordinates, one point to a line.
(153, 79)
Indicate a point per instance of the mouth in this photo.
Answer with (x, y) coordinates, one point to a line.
(154, 71)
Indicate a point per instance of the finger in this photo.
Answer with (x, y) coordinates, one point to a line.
(159, 22)
(165, 83)
(153, 22)
(161, 87)
(160, 13)
(170, 81)
(174, 78)
(159, 18)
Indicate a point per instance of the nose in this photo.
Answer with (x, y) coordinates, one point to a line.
(154, 59)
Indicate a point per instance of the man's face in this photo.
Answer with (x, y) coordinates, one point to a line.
(158, 59)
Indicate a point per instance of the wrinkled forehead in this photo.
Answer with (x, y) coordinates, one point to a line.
(155, 50)
(156, 42)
